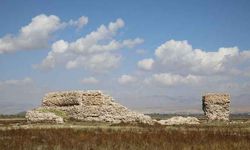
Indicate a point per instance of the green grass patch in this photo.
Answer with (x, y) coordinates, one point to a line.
(55, 111)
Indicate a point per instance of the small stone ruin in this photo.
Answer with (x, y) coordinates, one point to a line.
(58, 107)
(216, 106)
(179, 120)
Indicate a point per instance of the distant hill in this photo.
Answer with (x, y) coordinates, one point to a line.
(18, 115)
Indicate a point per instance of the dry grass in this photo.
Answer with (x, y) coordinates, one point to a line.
(143, 137)
(90, 135)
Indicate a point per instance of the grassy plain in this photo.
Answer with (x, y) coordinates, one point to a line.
(17, 134)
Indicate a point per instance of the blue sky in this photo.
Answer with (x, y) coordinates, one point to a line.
(175, 52)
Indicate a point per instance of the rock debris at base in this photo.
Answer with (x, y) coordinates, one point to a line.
(39, 117)
(179, 120)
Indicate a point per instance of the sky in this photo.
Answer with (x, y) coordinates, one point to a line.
(151, 56)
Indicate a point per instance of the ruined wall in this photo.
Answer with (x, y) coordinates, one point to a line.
(86, 106)
(70, 98)
(62, 99)
(216, 106)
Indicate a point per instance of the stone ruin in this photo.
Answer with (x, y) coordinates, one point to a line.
(216, 106)
(179, 120)
(58, 107)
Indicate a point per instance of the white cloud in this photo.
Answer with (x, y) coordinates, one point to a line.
(169, 79)
(97, 51)
(58, 49)
(179, 55)
(131, 43)
(97, 62)
(33, 36)
(36, 34)
(82, 21)
(146, 64)
(125, 79)
(89, 80)
(177, 63)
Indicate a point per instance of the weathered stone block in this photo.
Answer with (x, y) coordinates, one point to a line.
(216, 106)
(35, 116)
(59, 99)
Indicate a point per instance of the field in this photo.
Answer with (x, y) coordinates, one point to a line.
(15, 133)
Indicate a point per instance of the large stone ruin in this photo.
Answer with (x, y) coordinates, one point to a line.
(216, 106)
(83, 106)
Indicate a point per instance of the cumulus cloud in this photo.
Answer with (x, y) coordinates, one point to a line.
(146, 64)
(170, 79)
(82, 21)
(125, 79)
(89, 80)
(37, 33)
(97, 51)
(181, 57)
(177, 62)
(181, 54)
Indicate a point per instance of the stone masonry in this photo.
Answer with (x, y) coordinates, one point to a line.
(84, 106)
(216, 106)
